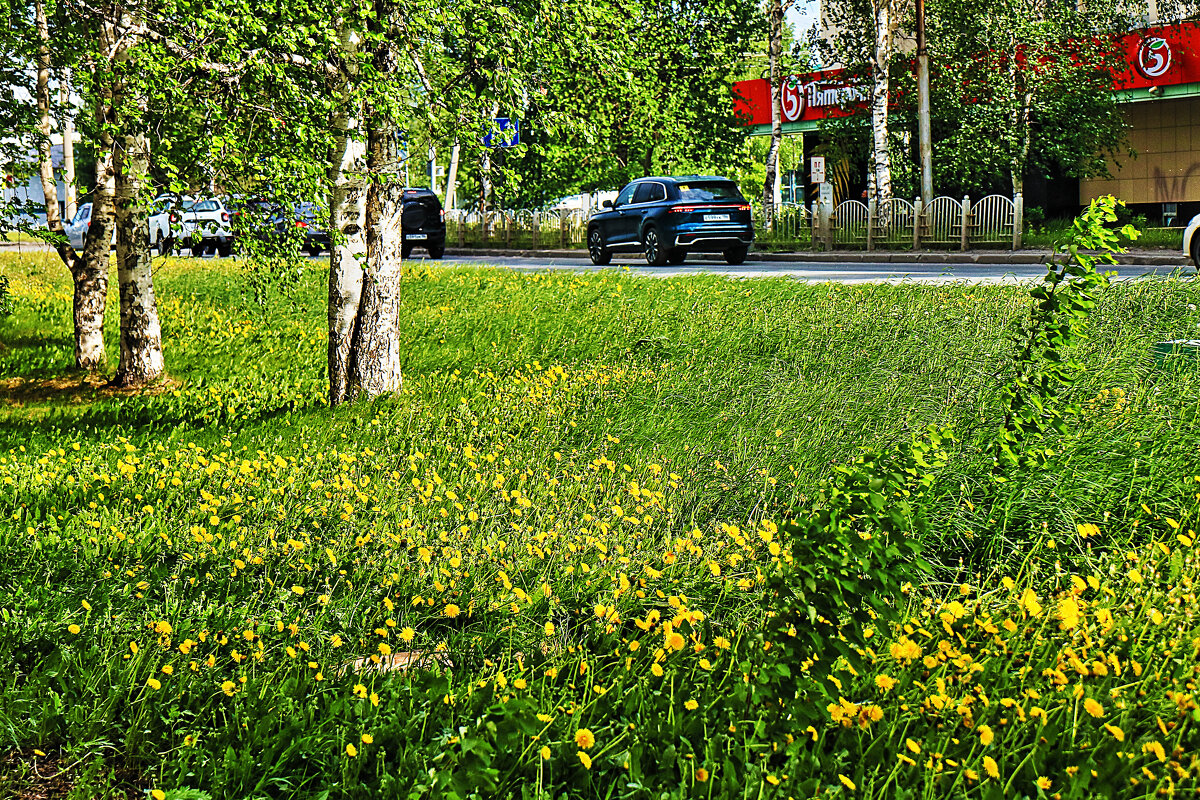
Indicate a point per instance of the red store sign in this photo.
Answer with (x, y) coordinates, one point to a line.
(1161, 56)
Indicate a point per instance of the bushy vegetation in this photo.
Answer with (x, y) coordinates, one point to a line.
(617, 537)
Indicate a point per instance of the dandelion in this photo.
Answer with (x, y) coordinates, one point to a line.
(656, 670)
(1092, 707)
(407, 634)
(990, 767)
(584, 739)
(912, 745)
(585, 759)
(73, 628)
(298, 590)
(986, 736)
(849, 784)
(229, 687)
(158, 794)
(676, 641)
(1155, 749)
(701, 775)
(885, 683)
(351, 750)
(549, 628)
(153, 683)
(1116, 732)
(1030, 604)
(1068, 613)
(452, 611)
(367, 738)
(1043, 782)
(545, 753)
(691, 705)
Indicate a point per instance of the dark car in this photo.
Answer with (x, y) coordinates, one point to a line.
(423, 222)
(309, 217)
(667, 218)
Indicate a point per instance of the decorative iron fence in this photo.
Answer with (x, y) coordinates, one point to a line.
(944, 222)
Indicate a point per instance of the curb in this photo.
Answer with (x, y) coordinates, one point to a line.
(1166, 258)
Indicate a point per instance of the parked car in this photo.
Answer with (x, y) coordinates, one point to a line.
(166, 216)
(667, 218)
(77, 228)
(423, 223)
(1191, 241)
(309, 218)
(205, 226)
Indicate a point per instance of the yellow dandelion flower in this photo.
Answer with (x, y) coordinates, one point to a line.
(584, 739)
(676, 641)
(549, 628)
(656, 670)
(849, 784)
(971, 774)
(1155, 749)
(1030, 604)
(452, 611)
(1043, 782)
(1092, 707)
(585, 759)
(1116, 732)
(545, 753)
(913, 746)
(986, 735)
(407, 634)
(153, 683)
(298, 590)
(990, 767)
(351, 750)
(229, 687)
(691, 705)
(885, 683)
(158, 794)
(73, 628)
(701, 775)
(771, 779)
(367, 738)
(1068, 613)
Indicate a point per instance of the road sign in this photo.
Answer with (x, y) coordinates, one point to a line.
(506, 133)
(818, 169)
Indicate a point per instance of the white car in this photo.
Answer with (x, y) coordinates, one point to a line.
(77, 228)
(1191, 240)
(166, 221)
(205, 225)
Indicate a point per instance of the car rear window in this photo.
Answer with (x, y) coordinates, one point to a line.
(205, 205)
(709, 190)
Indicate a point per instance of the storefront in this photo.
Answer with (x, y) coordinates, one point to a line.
(1160, 94)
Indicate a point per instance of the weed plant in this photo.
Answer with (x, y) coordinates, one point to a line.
(616, 537)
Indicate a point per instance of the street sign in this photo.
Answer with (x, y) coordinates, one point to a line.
(818, 169)
(507, 133)
(825, 195)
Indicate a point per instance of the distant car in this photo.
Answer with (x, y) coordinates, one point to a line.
(205, 227)
(166, 215)
(77, 228)
(423, 222)
(309, 218)
(1191, 241)
(668, 217)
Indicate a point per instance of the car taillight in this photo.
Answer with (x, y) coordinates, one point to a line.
(743, 208)
(301, 224)
(224, 216)
(174, 217)
(442, 214)
(685, 209)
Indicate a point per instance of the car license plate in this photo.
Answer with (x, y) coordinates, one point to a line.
(412, 237)
(716, 218)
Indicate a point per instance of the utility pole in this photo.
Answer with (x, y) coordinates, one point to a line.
(924, 134)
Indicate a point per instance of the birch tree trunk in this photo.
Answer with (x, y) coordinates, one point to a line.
(68, 145)
(141, 336)
(452, 178)
(774, 55)
(885, 19)
(89, 270)
(375, 350)
(1022, 127)
(347, 209)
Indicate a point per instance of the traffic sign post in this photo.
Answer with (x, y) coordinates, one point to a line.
(817, 169)
(506, 133)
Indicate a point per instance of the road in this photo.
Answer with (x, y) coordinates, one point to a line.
(831, 271)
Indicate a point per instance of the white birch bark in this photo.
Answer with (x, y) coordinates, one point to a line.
(452, 178)
(68, 146)
(347, 207)
(141, 335)
(885, 21)
(774, 55)
(89, 270)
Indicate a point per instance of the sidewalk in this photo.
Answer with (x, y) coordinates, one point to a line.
(1156, 258)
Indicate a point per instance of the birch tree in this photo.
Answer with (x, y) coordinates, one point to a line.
(886, 18)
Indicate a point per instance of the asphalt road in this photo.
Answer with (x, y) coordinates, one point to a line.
(831, 271)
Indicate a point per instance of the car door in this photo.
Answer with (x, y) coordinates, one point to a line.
(646, 199)
(622, 228)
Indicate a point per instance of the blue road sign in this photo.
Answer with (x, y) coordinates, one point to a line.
(507, 133)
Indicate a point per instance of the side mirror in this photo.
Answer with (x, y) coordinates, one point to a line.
(607, 204)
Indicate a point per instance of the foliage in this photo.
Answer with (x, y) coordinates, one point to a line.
(1063, 302)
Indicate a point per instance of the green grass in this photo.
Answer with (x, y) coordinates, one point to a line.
(602, 453)
(1052, 231)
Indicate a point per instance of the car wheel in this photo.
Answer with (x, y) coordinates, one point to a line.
(199, 249)
(1196, 249)
(225, 249)
(677, 256)
(406, 250)
(652, 246)
(599, 254)
(437, 251)
(736, 255)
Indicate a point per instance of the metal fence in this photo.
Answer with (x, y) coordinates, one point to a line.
(946, 222)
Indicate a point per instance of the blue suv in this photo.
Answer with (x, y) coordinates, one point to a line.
(666, 218)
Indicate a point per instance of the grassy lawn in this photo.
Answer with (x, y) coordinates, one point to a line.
(549, 566)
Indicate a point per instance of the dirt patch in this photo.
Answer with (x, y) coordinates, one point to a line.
(29, 774)
(414, 659)
(73, 389)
